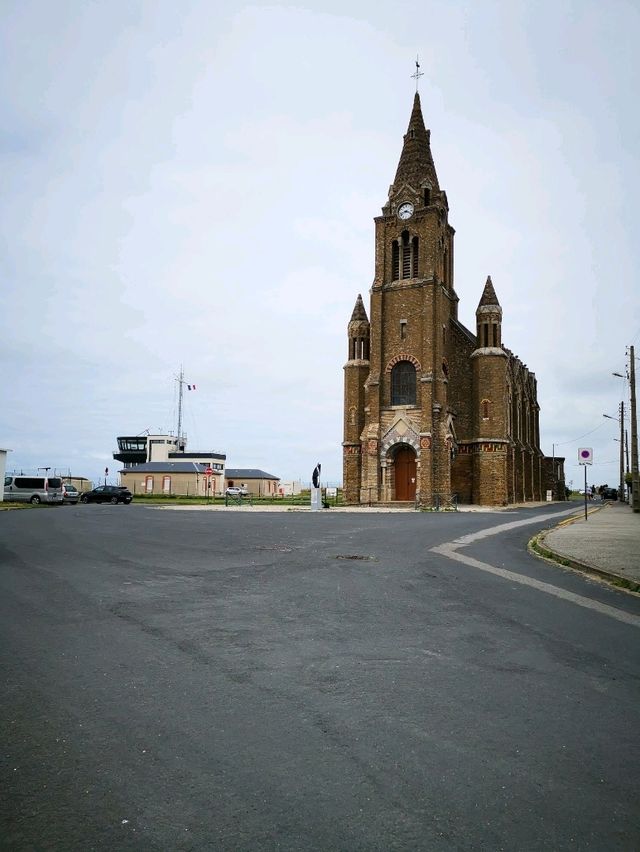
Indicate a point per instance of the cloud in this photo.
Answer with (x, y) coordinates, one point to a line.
(195, 184)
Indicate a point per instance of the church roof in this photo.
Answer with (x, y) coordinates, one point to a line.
(488, 294)
(359, 312)
(416, 165)
(464, 330)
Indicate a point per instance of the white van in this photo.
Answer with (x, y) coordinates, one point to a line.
(33, 489)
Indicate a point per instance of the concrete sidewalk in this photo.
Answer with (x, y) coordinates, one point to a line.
(607, 543)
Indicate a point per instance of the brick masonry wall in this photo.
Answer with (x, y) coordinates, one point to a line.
(413, 319)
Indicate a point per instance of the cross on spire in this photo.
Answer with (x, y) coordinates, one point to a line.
(418, 73)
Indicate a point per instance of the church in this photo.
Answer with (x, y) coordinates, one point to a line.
(433, 412)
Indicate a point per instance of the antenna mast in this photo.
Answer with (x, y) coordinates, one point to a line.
(180, 384)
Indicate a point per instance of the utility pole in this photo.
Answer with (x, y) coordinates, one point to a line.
(635, 480)
(621, 492)
(626, 451)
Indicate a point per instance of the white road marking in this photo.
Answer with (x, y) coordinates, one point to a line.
(450, 550)
(500, 528)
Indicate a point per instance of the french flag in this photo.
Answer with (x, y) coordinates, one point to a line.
(191, 387)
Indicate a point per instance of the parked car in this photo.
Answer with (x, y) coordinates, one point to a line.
(609, 493)
(70, 493)
(33, 489)
(107, 494)
(236, 491)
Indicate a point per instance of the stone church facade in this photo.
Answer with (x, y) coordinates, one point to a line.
(432, 410)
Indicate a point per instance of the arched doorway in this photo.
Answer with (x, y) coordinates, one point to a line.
(405, 473)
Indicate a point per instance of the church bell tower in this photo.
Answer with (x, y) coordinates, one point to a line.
(399, 429)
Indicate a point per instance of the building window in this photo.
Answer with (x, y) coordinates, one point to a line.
(427, 196)
(485, 334)
(485, 405)
(403, 384)
(403, 329)
(148, 484)
(406, 256)
(166, 484)
(395, 261)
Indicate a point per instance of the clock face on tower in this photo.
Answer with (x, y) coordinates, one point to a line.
(405, 211)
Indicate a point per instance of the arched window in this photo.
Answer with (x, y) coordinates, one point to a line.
(395, 261)
(403, 384)
(404, 257)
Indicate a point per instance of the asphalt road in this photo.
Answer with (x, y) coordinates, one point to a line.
(229, 681)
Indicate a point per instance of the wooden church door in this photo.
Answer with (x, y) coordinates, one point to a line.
(405, 473)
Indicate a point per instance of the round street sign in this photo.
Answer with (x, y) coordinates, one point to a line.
(208, 472)
(585, 455)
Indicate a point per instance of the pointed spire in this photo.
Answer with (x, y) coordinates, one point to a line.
(359, 312)
(416, 164)
(488, 295)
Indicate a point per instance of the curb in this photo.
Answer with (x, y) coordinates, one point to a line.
(538, 548)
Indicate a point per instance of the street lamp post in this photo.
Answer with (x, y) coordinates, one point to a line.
(635, 481)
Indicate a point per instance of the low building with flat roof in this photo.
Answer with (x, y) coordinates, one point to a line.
(184, 478)
(258, 483)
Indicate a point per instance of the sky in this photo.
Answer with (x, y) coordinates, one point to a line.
(195, 183)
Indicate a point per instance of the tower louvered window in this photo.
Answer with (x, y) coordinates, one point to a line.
(395, 261)
(406, 256)
(403, 384)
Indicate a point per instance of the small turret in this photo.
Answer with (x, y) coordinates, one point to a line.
(359, 330)
(356, 371)
(489, 318)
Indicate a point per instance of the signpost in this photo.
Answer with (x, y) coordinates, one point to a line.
(585, 457)
(208, 474)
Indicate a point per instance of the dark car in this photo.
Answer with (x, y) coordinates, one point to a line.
(609, 493)
(107, 494)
